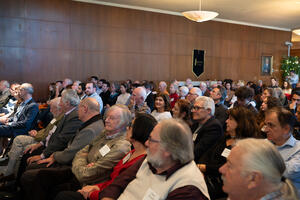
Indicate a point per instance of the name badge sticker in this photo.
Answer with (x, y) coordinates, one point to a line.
(104, 150)
(225, 153)
(194, 137)
(53, 129)
(151, 195)
(126, 158)
(52, 121)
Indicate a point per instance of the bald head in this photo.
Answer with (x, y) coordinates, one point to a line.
(88, 108)
(91, 103)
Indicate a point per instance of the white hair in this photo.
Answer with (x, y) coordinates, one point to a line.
(142, 92)
(262, 156)
(184, 89)
(198, 91)
(208, 103)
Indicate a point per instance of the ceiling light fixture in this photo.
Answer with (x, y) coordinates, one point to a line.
(200, 15)
(296, 31)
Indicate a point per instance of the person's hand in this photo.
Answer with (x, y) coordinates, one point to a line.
(293, 104)
(32, 148)
(90, 164)
(49, 160)
(33, 159)
(4, 120)
(32, 133)
(87, 190)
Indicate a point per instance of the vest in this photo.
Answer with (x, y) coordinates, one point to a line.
(145, 179)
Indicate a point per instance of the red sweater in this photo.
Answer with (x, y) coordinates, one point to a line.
(118, 169)
(173, 98)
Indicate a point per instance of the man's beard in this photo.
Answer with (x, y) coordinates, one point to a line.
(155, 159)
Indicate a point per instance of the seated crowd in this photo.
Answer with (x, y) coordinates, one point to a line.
(109, 140)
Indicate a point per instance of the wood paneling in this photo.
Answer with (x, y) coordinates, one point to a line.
(48, 40)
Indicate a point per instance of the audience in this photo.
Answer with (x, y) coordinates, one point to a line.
(254, 170)
(206, 130)
(182, 110)
(279, 124)
(218, 94)
(88, 113)
(137, 102)
(239, 125)
(64, 157)
(24, 118)
(21, 142)
(162, 107)
(90, 91)
(137, 134)
(4, 93)
(173, 94)
(123, 98)
(193, 94)
(166, 172)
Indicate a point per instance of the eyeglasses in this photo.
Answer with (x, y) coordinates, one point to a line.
(196, 108)
(152, 140)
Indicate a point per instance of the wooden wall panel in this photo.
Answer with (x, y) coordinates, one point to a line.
(12, 8)
(44, 41)
(12, 32)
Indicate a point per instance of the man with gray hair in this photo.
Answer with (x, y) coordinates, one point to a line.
(59, 137)
(22, 141)
(88, 113)
(137, 102)
(206, 129)
(254, 171)
(162, 87)
(168, 171)
(4, 93)
(193, 94)
(279, 124)
(204, 89)
(23, 120)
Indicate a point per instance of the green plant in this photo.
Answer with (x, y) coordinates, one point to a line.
(290, 63)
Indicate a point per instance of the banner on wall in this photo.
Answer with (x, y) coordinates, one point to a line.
(198, 62)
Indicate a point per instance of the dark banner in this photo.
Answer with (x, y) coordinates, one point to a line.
(198, 62)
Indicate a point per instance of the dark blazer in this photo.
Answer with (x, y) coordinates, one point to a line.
(25, 122)
(221, 114)
(64, 132)
(207, 136)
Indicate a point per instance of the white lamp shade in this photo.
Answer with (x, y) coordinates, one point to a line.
(200, 16)
(296, 31)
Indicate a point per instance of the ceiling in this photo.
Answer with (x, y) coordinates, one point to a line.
(274, 14)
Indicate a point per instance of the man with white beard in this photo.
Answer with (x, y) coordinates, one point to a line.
(168, 171)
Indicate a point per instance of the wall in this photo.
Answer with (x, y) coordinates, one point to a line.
(46, 40)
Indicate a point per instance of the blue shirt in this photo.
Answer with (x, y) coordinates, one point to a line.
(290, 151)
(98, 98)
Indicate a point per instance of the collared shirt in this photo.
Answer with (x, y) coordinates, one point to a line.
(290, 151)
(276, 195)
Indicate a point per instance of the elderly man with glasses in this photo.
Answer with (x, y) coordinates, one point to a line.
(206, 129)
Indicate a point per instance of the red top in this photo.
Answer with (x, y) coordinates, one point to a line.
(118, 169)
(173, 98)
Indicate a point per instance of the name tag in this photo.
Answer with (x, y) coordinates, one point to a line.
(52, 121)
(151, 195)
(194, 136)
(104, 150)
(172, 99)
(126, 158)
(53, 129)
(225, 153)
